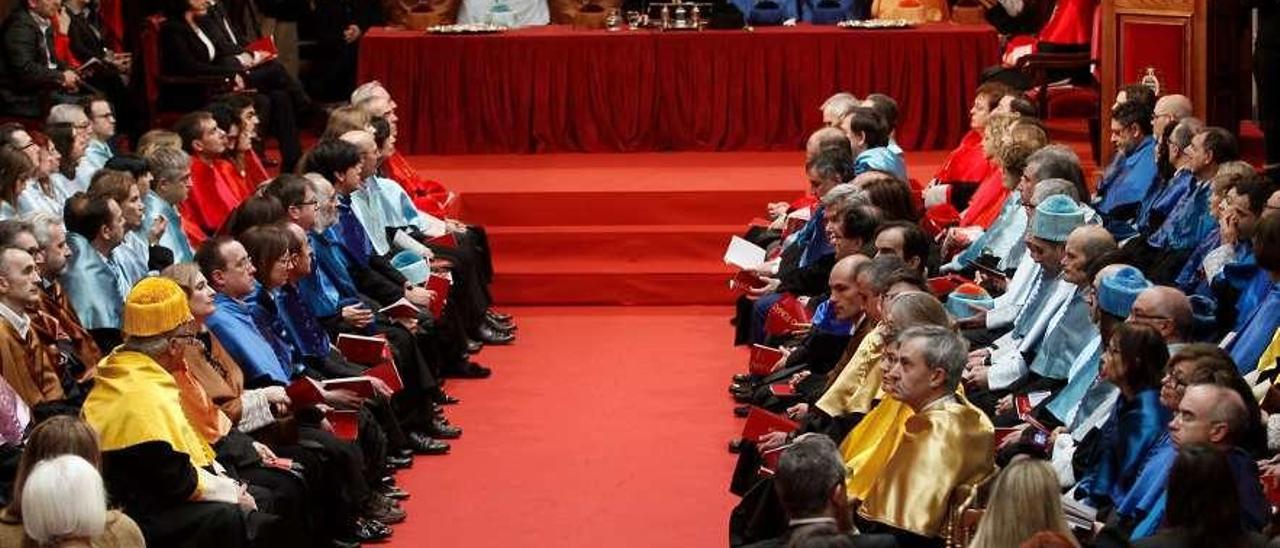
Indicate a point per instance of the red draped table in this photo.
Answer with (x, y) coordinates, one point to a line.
(554, 89)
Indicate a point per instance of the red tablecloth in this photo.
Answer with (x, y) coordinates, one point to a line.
(553, 89)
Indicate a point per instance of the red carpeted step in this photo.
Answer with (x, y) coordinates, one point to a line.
(571, 279)
(719, 206)
(612, 242)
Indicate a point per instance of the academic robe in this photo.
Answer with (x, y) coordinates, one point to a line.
(233, 323)
(55, 303)
(1122, 188)
(218, 375)
(1256, 331)
(1189, 221)
(1163, 198)
(1082, 375)
(1143, 505)
(870, 445)
(1192, 278)
(1008, 363)
(93, 285)
(1069, 334)
(965, 167)
(175, 236)
(947, 444)
(202, 413)
(998, 239)
(400, 210)
(28, 365)
(987, 201)
(428, 195)
(96, 154)
(863, 369)
(34, 198)
(1010, 303)
(1127, 437)
(214, 193)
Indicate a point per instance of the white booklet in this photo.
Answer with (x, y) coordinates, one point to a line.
(743, 254)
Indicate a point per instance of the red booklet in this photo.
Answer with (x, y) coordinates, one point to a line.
(400, 309)
(782, 389)
(446, 240)
(346, 424)
(763, 358)
(786, 316)
(761, 422)
(304, 392)
(362, 386)
(1026, 403)
(440, 285)
(745, 279)
(361, 349)
(387, 373)
(266, 44)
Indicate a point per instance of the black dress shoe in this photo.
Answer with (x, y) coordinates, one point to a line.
(442, 430)
(399, 463)
(366, 530)
(469, 370)
(474, 346)
(424, 445)
(384, 510)
(736, 389)
(741, 411)
(393, 493)
(488, 335)
(742, 378)
(491, 313)
(387, 481)
(406, 453)
(500, 325)
(443, 398)
(735, 445)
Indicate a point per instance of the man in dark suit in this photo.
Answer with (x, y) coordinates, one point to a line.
(810, 484)
(30, 75)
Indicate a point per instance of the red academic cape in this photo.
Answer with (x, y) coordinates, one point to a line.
(968, 163)
(987, 201)
(428, 195)
(216, 189)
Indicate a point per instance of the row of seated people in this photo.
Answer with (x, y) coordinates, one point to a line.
(251, 358)
(1090, 361)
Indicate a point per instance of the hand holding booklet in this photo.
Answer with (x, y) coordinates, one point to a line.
(369, 351)
(763, 359)
(744, 254)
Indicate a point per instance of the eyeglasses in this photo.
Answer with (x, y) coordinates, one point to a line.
(187, 340)
(307, 203)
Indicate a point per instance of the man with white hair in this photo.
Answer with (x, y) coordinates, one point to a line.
(75, 117)
(428, 195)
(836, 107)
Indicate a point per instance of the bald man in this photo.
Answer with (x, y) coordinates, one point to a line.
(823, 346)
(824, 138)
(1170, 109)
(1166, 309)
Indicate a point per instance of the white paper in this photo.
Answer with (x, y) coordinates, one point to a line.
(743, 254)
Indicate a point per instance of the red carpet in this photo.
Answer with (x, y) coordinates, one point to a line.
(600, 427)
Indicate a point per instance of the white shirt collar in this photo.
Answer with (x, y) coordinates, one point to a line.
(20, 321)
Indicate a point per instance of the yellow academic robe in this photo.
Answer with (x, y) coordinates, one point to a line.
(855, 388)
(869, 445)
(946, 445)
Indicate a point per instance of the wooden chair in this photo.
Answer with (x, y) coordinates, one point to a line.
(1069, 100)
(966, 511)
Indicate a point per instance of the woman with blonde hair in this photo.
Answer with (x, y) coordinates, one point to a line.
(1024, 501)
(156, 139)
(344, 119)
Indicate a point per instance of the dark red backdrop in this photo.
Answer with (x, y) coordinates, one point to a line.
(552, 89)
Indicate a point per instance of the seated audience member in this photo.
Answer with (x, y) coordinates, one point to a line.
(157, 139)
(95, 281)
(170, 188)
(810, 484)
(26, 363)
(1070, 333)
(1023, 138)
(997, 368)
(836, 107)
(947, 441)
(65, 504)
(102, 129)
(44, 192)
(1257, 328)
(1001, 243)
(216, 188)
(967, 165)
(904, 240)
(1131, 174)
(1174, 179)
(890, 195)
(59, 325)
(70, 130)
(230, 272)
(1194, 519)
(1170, 109)
(1134, 362)
(195, 44)
(869, 136)
(1241, 284)
(53, 508)
(1194, 278)
(1024, 501)
(237, 117)
(15, 169)
(155, 464)
(887, 108)
(30, 75)
(134, 255)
